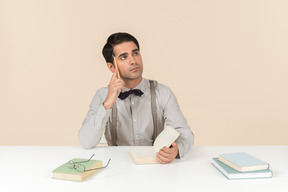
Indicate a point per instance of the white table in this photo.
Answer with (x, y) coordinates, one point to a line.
(29, 168)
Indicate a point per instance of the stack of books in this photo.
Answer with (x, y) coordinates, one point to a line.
(241, 166)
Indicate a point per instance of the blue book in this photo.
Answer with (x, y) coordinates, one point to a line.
(231, 173)
(243, 162)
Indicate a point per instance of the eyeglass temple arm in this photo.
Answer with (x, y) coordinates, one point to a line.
(107, 163)
(99, 167)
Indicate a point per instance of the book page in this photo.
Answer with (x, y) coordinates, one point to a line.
(165, 138)
(143, 151)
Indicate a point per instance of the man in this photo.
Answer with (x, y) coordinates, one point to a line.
(134, 122)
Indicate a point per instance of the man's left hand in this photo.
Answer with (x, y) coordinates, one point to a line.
(167, 155)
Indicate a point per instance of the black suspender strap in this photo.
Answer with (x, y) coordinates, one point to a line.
(156, 130)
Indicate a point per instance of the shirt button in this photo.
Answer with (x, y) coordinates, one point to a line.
(132, 102)
(134, 120)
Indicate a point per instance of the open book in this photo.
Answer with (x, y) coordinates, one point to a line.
(147, 154)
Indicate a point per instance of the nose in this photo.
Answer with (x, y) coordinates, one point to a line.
(132, 60)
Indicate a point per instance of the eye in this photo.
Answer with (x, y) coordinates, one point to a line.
(123, 57)
(136, 53)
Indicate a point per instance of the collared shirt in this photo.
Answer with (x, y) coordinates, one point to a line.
(134, 119)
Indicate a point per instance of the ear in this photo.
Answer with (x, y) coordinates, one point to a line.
(111, 67)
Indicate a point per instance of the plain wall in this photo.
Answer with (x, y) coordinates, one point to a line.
(226, 62)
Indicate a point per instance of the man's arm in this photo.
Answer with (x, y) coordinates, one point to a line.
(95, 121)
(100, 110)
(174, 117)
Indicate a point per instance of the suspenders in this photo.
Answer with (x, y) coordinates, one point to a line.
(114, 124)
(154, 109)
(156, 130)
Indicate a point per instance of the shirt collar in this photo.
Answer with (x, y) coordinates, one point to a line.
(142, 85)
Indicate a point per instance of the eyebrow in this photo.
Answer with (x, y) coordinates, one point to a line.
(122, 54)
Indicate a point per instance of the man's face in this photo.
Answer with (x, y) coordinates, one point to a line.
(129, 61)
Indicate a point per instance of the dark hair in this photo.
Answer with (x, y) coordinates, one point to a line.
(116, 39)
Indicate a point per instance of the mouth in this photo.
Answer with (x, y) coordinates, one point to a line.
(135, 69)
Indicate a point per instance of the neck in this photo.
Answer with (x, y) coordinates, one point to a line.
(131, 84)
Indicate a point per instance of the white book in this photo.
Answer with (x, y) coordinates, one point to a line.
(147, 154)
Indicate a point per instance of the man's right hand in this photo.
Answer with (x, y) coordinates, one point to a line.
(114, 85)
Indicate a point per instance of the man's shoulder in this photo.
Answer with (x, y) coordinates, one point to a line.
(161, 89)
(101, 91)
(163, 94)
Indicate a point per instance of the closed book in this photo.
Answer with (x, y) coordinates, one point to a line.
(147, 154)
(243, 162)
(231, 173)
(67, 173)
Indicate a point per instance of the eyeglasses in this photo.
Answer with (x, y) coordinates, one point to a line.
(81, 168)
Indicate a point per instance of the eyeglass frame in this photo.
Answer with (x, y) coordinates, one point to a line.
(75, 165)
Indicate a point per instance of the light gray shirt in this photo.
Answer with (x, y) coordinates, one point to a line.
(134, 119)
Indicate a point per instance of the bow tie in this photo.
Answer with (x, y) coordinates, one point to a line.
(125, 94)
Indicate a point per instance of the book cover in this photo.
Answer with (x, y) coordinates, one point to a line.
(66, 173)
(243, 162)
(231, 173)
(147, 154)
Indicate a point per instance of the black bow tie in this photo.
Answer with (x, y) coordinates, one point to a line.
(125, 94)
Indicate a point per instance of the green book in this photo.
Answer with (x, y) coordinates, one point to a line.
(231, 173)
(67, 173)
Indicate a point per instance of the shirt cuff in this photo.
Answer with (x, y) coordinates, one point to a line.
(180, 150)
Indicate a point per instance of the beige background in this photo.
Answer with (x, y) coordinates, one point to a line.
(226, 62)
